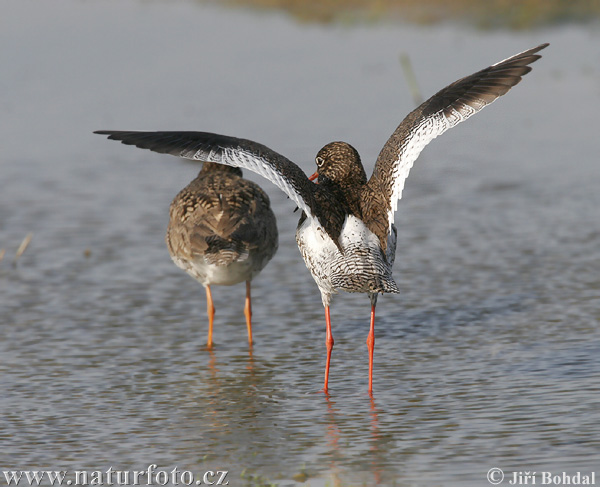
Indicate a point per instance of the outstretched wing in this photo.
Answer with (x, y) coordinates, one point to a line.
(231, 151)
(442, 111)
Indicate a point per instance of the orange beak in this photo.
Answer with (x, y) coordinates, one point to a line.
(314, 176)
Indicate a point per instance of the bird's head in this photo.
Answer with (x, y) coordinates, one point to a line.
(339, 162)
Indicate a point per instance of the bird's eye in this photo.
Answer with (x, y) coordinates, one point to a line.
(319, 161)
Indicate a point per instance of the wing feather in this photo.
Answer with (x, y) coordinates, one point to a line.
(444, 110)
(231, 151)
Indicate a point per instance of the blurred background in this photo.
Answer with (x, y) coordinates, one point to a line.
(505, 14)
(488, 357)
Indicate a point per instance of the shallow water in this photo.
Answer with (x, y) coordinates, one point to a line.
(488, 358)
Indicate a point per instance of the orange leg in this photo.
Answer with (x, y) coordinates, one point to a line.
(248, 313)
(371, 346)
(329, 343)
(210, 310)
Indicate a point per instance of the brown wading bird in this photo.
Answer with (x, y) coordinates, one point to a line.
(222, 231)
(346, 233)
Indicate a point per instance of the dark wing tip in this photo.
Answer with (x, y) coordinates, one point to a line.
(110, 133)
(533, 50)
(181, 144)
(122, 135)
(473, 92)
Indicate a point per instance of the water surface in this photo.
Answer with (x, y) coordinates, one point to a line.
(488, 357)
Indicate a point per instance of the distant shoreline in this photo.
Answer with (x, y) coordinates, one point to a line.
(490, 14)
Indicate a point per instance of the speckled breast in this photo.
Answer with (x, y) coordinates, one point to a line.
(362, 267)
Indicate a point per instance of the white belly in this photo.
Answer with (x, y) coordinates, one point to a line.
(361, 267)
(218, 275)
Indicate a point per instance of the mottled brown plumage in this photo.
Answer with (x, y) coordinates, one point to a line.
(222, 231)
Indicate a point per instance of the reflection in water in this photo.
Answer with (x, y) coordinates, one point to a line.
(212, 362)
(229, 412)
(227, 402)
(375, 437)
(333, 436)
(250, 365)
(372, 462)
